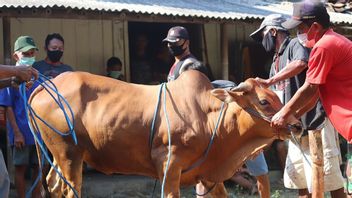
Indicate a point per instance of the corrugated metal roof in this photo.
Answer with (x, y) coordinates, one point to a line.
(218, 9)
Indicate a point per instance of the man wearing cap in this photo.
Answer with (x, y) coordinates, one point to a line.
(12, 76)
(286, 76)
(21, 139)
(328, 75)
(178, 43)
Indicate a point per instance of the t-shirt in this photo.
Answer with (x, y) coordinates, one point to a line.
(50, 70)
(10, 97)
(292, 50)
(330, 66)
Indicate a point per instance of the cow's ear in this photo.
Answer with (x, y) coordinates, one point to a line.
(222, 95)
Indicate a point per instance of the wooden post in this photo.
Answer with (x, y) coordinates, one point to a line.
(224, 52)
(6, 40)
(317, 156)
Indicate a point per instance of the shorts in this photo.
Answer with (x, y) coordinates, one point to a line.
(25, 156)
(298, 171)
(257, 166)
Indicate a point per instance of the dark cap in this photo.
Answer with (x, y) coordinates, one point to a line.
(24, 43)
(175, 34)
(307, 10)
(272, 20)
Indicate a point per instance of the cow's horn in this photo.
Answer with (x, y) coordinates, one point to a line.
(242, 87)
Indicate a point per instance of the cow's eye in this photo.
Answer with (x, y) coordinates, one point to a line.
(263, 102)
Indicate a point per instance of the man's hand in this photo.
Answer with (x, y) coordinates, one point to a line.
(282, 118)
(19, 139)
(263, 82)
(26, 73)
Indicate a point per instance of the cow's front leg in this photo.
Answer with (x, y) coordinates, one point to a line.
(173, 173)
(172, 181)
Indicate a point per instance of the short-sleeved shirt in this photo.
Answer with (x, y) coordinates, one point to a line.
(292, 50)
(49, 70)
(330, 66)
(10, 97)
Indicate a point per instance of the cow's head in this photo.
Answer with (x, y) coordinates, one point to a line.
(258, 105)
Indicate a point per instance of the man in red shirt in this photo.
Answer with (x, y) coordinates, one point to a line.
(329, 75)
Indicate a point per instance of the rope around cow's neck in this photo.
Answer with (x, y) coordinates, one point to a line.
(163, 88)
(43, 81)
(289, 126)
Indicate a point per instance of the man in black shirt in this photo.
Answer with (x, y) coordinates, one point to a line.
(178, 43)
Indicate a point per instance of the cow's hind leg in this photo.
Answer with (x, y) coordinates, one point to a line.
(213, 190)
(70, 163)
(54, 182)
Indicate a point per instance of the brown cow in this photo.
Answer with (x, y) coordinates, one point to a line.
(113, 121)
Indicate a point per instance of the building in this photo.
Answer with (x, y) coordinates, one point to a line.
(96, 30)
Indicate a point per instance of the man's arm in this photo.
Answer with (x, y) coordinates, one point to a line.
(5, 82)
(18, 136)
(306, 92)
(291, 69)
(7, 71)
(308, 106)
(23, 73)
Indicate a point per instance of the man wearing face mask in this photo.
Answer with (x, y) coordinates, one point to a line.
(20, 136)
(178, 43)
(287, 75)
(328, 75)
(51, 66)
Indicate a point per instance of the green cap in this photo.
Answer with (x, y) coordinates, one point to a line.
(24, 43)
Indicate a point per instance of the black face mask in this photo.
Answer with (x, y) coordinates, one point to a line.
(177, 50)
(55, 55)
(268, 42)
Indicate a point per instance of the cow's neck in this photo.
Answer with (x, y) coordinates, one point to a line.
(236, 141)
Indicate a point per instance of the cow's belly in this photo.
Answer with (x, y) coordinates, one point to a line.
(124, 152)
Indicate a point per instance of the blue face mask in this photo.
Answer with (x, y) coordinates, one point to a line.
(26, 61)
(115, 74)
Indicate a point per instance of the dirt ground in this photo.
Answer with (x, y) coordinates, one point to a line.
(97, 185)
(118, 186)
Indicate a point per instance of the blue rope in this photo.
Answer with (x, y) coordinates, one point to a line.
(169, 146)
(43, 81)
